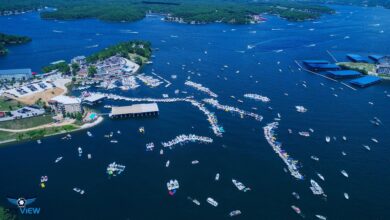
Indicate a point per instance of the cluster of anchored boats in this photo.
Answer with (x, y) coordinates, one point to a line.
(215, 103)
(257, 97)
(201, 88)
(182, 139)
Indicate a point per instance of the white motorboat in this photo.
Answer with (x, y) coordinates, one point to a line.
(212, 202)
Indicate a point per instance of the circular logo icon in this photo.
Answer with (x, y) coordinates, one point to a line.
(21, 202)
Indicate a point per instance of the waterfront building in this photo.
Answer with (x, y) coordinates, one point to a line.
(383, 66)
(137, 110)
(15, 74)
(65, 104)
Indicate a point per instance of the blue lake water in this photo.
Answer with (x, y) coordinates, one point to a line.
(243, 153)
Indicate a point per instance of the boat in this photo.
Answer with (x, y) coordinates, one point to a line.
(161, 152)
(89, 156)
(89, 134)
(344, 138)
(321, 217)
(58, 159)
(316, 188)
(314, 158)
(234, 213)
(167, 163)
(39, 141)
(118, 132)
(114, 141)
(296, 209)
(311, 130)
(240, 186)
(344, 173)
(343, 153)
(367, 147)
(80, 150)
(212, 202)
(320, 176)
(194, 162)
(374, 140)
(141, 130)
(346, 196)
(217, 177)
(304, 133)
(172, 186)
(78, 190)
(296, 195)
(327, 139)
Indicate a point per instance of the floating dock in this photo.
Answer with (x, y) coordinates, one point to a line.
(137, 110)
(342, 74)
(357, 58)
(365, 81)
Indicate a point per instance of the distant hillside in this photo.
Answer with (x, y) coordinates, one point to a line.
(198, 11)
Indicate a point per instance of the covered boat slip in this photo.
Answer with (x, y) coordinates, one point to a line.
(357, 58)
(342, 74)
(137, 110)
(375, 57)
(320, 65)
(365, 81)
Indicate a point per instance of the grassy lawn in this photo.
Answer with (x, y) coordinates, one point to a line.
(365, 68)
(27, 122)
(36, 134)
(7, 105)
(134, 56)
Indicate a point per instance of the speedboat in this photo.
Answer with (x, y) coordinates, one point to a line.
(212, 202)
(194, 162)
(141, 130)
(114, 141)
(314, 158)
(39, 141)
(343, 153)
(327, 139)
(321, 217)
(89, 134)
(240, 186)
(321, 176)
(374, 140)
(217, 177)
(367, 147)
(344, 138)
(58, 159)
(346, 196)
(78, 190)
(167, 163)
(80, 150)
(296, 209)
(296, 195)
(344, 173)
(304, 133)
(234, 213)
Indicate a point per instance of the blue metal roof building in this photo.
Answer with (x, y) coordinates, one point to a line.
(343, 74)
(16, 74)
(357, 58)
(365, 81)
(315, 62)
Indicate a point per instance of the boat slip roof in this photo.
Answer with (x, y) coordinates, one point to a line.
(315, 62)
(357, 58)
(135, 109)
(365, 81)
(344, 73)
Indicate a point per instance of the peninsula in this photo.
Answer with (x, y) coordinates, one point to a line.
(6, 40)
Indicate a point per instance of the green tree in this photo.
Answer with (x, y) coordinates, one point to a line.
(6, 215)
(92, 71)
(75, 68)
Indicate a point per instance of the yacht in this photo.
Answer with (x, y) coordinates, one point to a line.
(344, 173)
(212, 202)
(315, 188)
(234, 213)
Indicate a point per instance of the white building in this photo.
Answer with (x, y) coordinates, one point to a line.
(66, 104)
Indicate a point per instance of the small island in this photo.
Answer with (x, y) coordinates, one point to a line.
(42, 105)
(7, 40)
